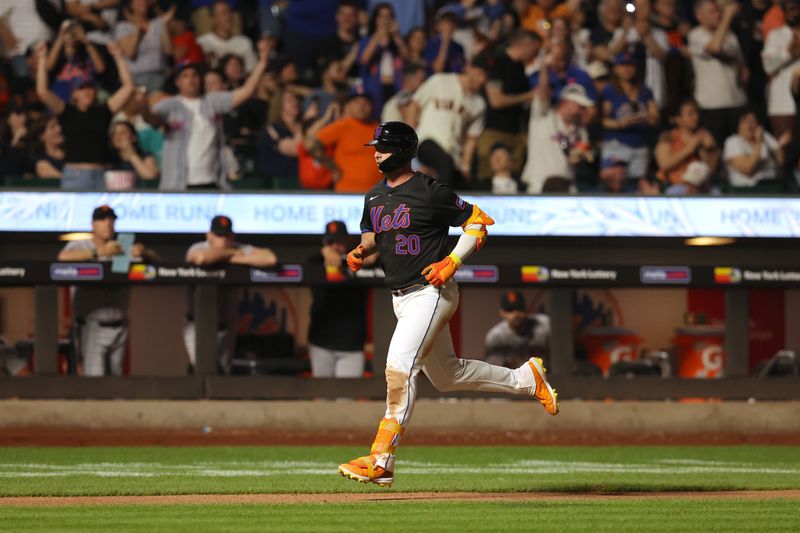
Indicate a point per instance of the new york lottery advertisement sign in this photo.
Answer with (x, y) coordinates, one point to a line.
(306, 214)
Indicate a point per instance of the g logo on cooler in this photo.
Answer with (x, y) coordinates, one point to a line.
(711, 358)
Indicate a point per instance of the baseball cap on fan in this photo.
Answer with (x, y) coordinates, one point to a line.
(86, 84)
(221, 225)
(624, 58)
(574, 92)
(512, 301)
(358, 92)
(610, 162)
(335, 231)
(103, 212)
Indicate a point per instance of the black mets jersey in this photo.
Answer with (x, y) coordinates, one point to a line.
(411, 224)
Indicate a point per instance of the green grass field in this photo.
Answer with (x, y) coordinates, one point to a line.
(234, 470)
(634, 515)
(221, 470)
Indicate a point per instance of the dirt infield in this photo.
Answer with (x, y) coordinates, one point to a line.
(268, 499)
(227, 437)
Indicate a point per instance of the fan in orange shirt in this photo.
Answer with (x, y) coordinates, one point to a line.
(353, 168)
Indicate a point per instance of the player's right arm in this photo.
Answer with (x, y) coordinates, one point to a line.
(365, 254)
(254, 257)
(74, 251)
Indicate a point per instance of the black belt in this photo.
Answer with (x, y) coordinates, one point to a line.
(408, 290)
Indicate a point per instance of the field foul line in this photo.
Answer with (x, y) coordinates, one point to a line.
(273, 499)
(230, 469)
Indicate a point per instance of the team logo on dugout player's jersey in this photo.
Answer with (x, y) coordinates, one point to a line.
(460, 203)
(400, 218)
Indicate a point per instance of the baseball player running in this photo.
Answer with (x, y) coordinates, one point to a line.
(405, 221)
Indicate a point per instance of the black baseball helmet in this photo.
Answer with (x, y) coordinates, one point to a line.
(401, 139)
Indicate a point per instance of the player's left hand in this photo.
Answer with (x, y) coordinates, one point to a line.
(440, 273)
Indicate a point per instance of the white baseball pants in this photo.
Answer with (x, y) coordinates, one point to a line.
(103, 349)
(327, 363)
(421, 341)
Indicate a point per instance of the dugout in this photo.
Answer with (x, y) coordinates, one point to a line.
(627, 253)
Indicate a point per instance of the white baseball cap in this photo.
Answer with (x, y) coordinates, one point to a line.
(575, 92)
(696, 173)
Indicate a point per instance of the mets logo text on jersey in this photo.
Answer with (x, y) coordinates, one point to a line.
(401, 218)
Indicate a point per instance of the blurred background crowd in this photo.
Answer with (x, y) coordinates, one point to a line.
(508, 96)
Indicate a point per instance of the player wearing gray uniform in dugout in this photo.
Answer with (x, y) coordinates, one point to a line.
(101, 312)
(220, 249)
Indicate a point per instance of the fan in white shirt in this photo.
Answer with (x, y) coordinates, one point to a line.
(781, 56)
(448, 113)
(556, 136)
(221, 41)
(719, 68)
(21, 21)
(753, 155)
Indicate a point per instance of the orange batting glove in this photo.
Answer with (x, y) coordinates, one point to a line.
(355, 259)
(440, 273)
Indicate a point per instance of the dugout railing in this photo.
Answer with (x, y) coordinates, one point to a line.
(47, 276)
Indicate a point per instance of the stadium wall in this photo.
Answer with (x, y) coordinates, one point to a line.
(667, 418)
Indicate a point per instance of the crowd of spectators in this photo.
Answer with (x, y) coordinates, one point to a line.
(643, 96)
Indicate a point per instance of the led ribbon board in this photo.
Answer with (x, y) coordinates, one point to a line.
(306, 214)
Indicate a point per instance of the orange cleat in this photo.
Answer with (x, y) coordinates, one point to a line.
(370, 469)
(543, 392)
(378, 466)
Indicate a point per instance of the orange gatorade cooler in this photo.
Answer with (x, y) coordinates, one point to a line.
(605, 345)
(701, 352)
